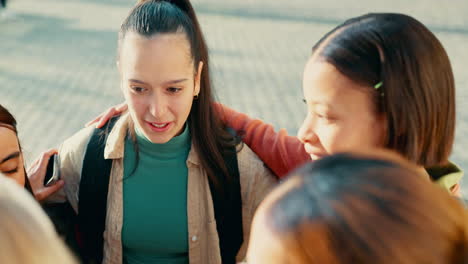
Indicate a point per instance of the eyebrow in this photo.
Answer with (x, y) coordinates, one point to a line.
(11, 156)
(176, 81)
(136, 81)
(166, 83)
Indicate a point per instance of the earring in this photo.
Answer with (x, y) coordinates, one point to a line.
(195, 97)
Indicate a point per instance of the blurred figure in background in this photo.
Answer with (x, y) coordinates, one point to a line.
(353, 209)
(26, 233)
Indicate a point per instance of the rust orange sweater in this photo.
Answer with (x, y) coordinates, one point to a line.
(279, 151)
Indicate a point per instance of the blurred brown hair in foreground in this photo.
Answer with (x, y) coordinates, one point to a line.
(359, 209)
(26, 233)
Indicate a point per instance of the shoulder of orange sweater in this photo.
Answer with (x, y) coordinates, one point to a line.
(290, 150)
(278, 150)
(281, 152)
(232, 118)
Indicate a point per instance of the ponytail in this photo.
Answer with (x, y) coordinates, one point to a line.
(209, 136)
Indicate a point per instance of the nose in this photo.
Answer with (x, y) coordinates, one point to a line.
(306, 133)
(158, 106)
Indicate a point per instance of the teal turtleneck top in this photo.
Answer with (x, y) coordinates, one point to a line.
(155, 226)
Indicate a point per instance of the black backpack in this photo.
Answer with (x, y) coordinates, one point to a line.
(93, 202)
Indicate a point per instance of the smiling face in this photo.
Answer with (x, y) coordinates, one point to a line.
(159, 83)
(341, 116)
(11, 158)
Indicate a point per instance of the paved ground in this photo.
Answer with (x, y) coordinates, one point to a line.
(57, 62)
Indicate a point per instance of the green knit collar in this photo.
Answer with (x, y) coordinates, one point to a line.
(173, 148)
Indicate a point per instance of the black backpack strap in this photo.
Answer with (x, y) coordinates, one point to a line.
(92, 203)
(228, 209)
(63, 217)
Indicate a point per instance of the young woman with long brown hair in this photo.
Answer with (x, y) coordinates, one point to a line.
(168, 152)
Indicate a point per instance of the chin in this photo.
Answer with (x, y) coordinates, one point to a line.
(159, 139)
(315, 157)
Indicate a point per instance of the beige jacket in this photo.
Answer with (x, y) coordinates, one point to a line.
(255, 179)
